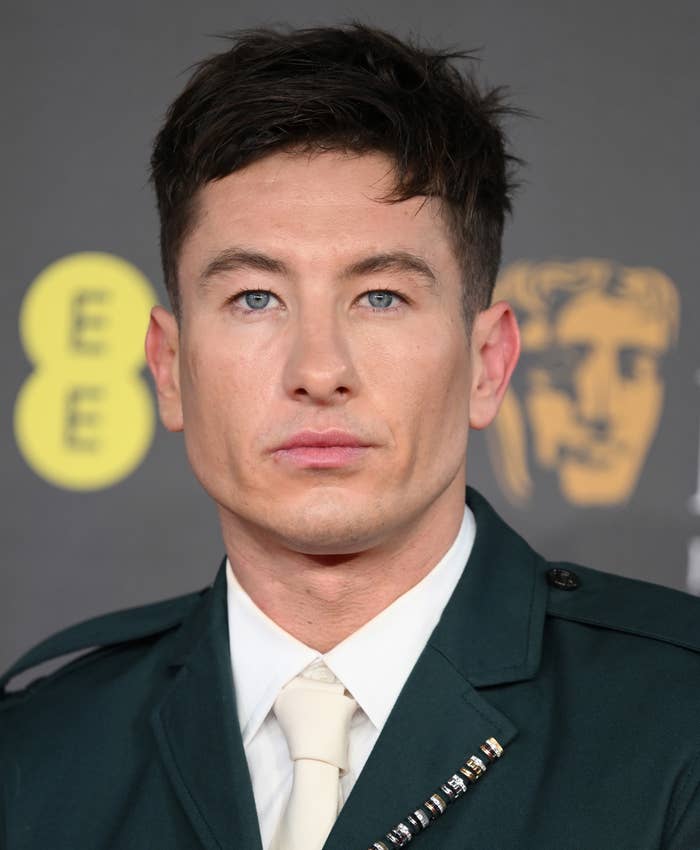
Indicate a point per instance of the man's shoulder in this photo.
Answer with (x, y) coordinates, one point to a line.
(98, 642)
(580, 598)
(622, 605)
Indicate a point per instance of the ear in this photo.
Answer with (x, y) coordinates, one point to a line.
(495, 347)
(162, 354)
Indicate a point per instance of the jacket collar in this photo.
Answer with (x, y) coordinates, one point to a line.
(490, 633)
(196, 729)
(491, 629)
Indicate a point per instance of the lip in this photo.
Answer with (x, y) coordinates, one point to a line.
(322, 449)
(321, 439)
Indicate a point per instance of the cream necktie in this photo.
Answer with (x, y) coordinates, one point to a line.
(315, 716)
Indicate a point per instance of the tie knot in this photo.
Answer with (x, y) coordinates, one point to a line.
(315, 717)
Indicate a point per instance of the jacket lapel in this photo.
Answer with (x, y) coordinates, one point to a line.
(490, 633)
(437, 723)
(196, 727)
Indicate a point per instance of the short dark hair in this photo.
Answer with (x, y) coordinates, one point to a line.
(351, 88)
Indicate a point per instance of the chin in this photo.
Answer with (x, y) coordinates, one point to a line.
(329, 523)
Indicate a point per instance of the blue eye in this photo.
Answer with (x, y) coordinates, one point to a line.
(257, 299)
(380, 298)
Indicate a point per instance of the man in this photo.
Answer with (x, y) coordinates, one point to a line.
(332, 203)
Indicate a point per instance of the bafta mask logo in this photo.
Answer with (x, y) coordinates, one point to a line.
(588, 394)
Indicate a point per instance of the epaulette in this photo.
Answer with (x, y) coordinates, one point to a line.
(624, 604)
(108, 630)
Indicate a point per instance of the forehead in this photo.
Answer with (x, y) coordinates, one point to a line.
(316, 208)
(605, 319)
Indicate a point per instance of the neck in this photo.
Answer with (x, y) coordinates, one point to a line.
(322, 599)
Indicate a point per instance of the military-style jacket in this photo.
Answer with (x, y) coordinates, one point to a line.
(589, 682)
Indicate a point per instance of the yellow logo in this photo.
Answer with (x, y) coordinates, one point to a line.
(587, 395)
(84, 419)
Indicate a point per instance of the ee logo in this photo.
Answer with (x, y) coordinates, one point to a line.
(84, 418)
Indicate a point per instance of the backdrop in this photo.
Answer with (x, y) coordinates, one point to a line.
(595, 456)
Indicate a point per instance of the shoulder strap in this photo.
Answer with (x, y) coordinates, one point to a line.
(107, 630)
(626, 605)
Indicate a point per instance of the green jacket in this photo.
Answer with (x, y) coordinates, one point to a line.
(590, 682)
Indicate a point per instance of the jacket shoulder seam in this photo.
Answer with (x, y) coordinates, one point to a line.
(604, 623)
(94, 637)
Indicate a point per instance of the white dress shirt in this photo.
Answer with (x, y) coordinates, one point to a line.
(373, 663)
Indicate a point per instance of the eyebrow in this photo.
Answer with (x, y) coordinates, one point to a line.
(236, 259)
(392, 261)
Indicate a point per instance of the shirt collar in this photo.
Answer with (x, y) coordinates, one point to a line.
(373, 663)
(264, 657)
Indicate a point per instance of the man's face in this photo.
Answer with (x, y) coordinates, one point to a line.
(352, 323)
(596, 402)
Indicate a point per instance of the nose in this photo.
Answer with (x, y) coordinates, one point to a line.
(319, 366)
(594, 394)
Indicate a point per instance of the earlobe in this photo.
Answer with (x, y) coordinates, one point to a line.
(495, 351)
(162, 355)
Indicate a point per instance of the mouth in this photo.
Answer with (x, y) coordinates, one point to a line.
(330, 449)
(598, 456)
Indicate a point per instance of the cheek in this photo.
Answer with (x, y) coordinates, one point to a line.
(222, 390)
(550, 414)
(429, 392)
(639, 410)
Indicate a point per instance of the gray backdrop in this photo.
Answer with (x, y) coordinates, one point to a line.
(612, 174)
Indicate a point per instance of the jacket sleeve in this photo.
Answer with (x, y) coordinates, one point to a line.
(9, 772)
(4, 792)
(683, 824)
